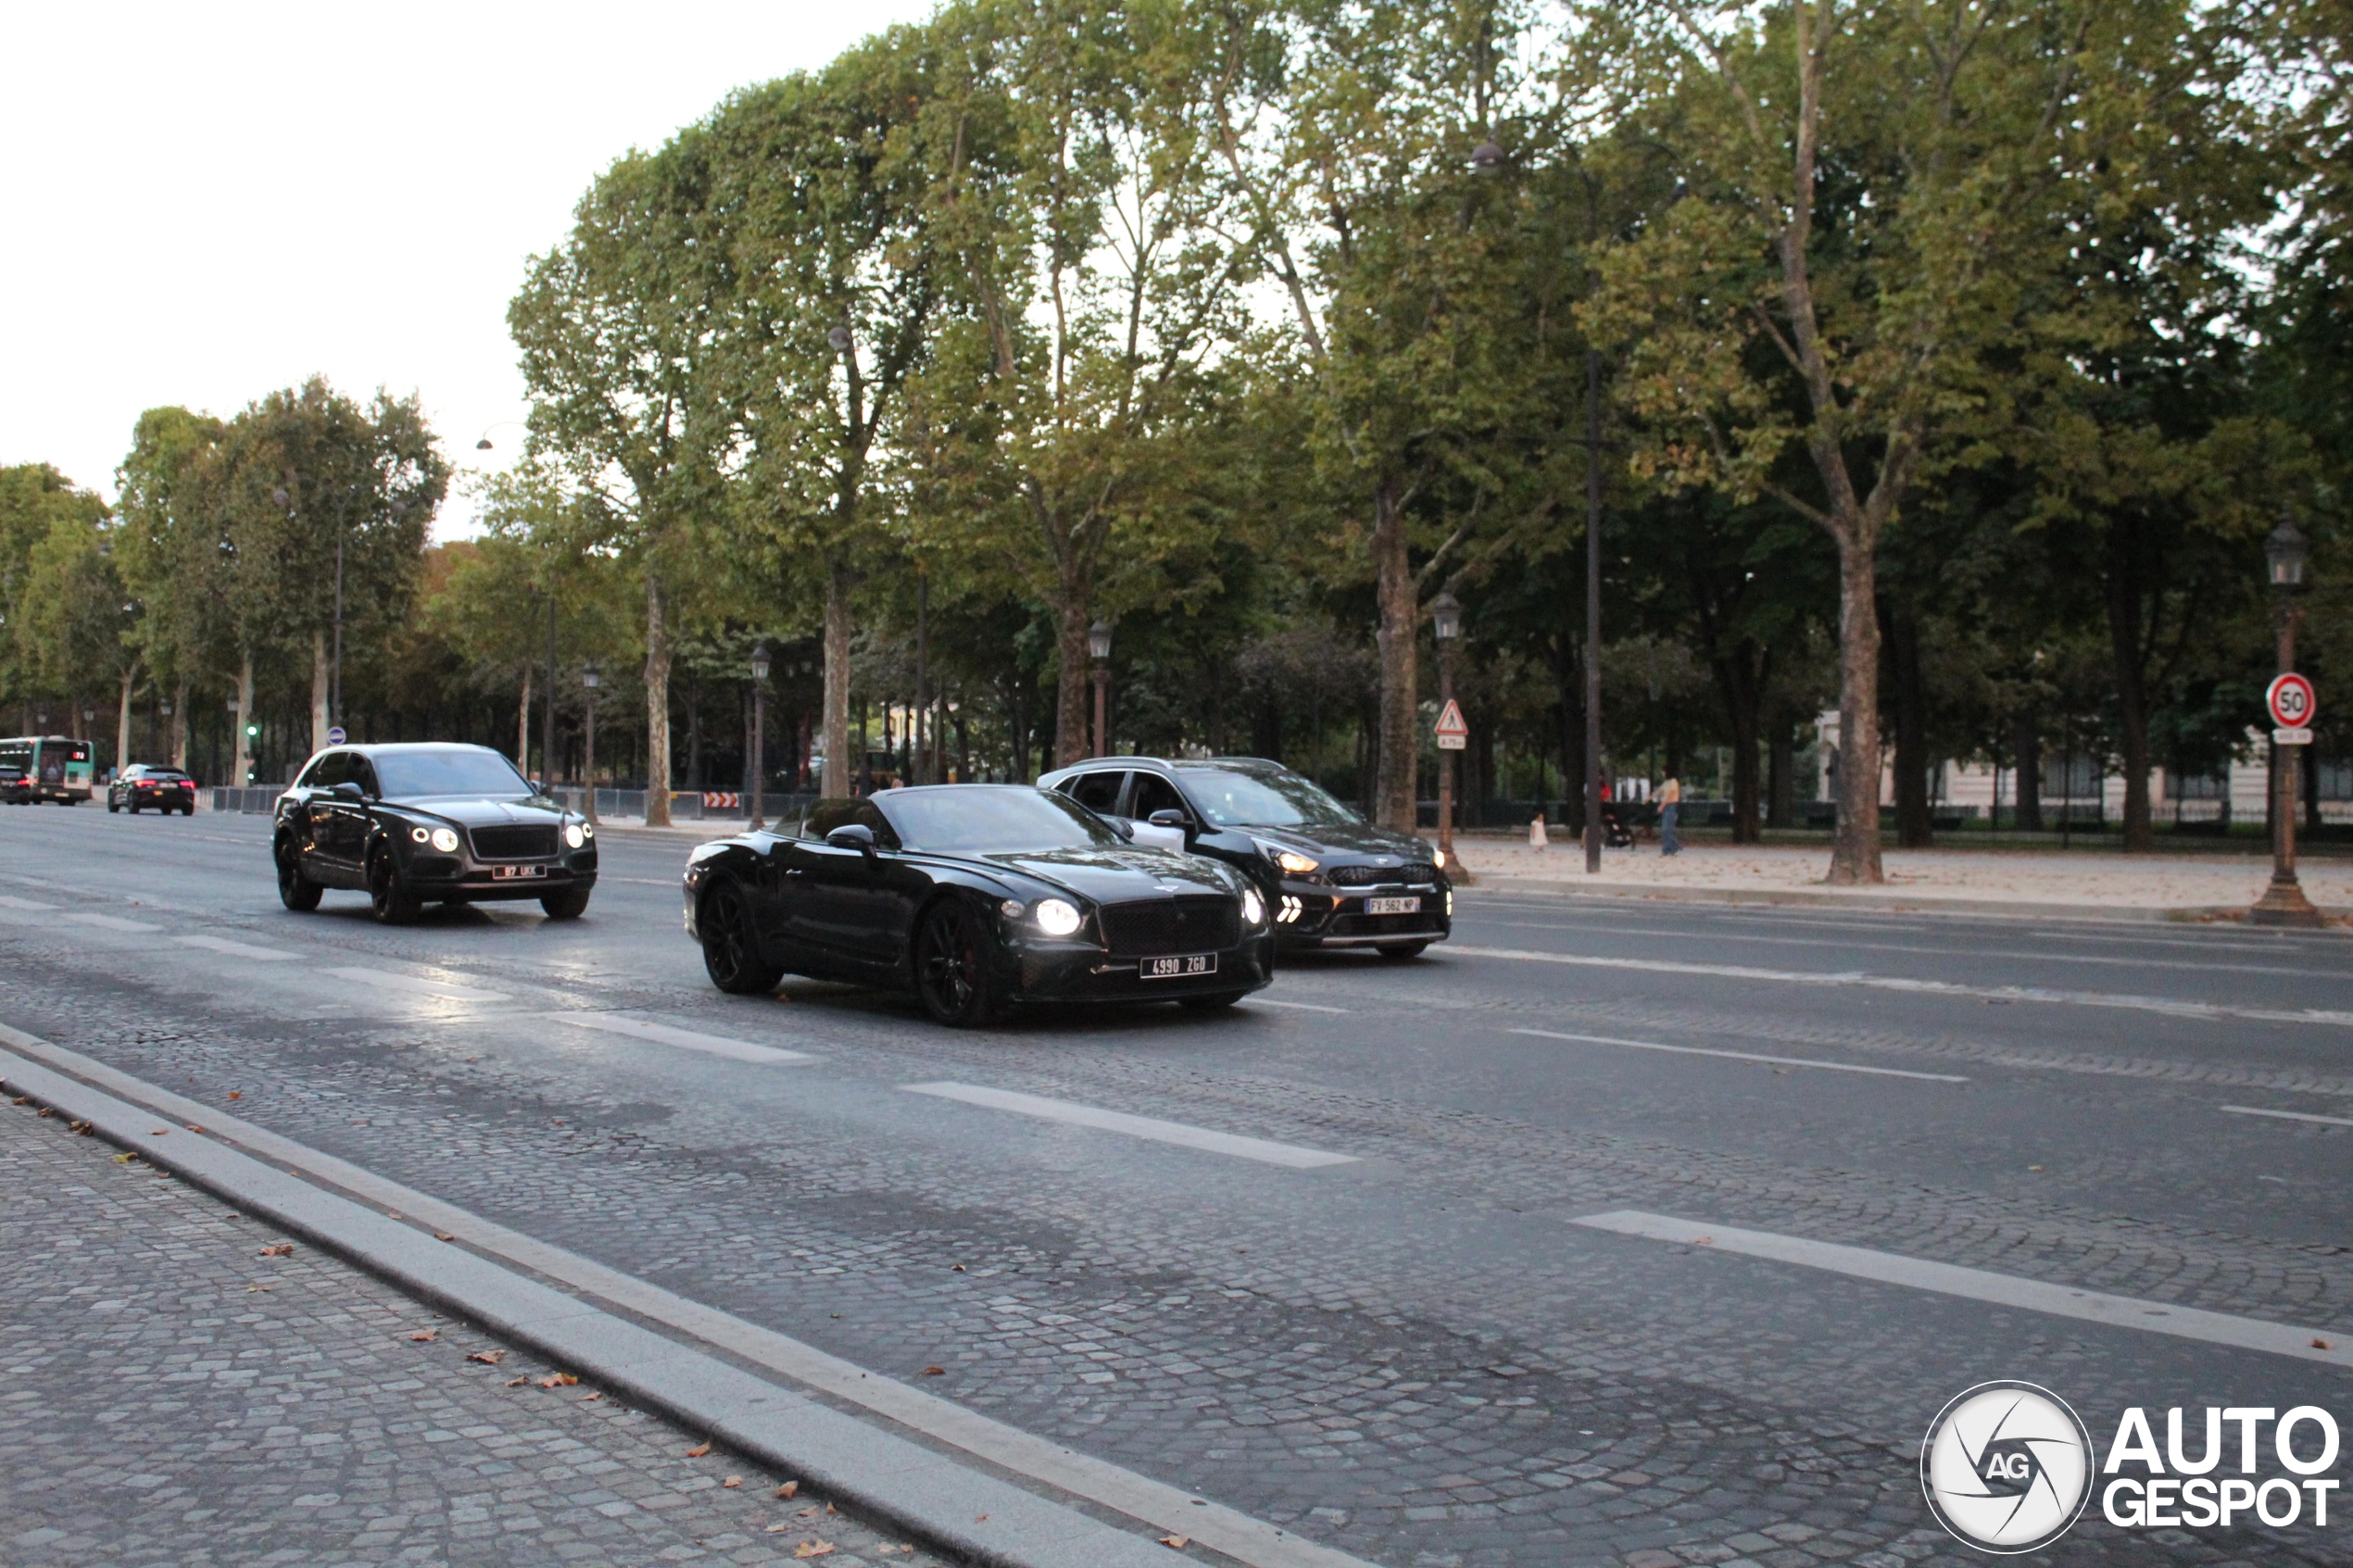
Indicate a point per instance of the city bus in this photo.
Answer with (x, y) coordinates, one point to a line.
(55, 768)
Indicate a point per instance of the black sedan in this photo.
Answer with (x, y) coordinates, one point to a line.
(416, 824)
(1332, 879)
(977, 898)
(144, 787)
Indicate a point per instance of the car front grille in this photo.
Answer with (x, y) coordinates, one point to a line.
(1418, 874)
(1150, 928)
(523, 841)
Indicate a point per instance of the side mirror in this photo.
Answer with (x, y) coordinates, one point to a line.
(852, 836)
(1167, 817)
(349, 791)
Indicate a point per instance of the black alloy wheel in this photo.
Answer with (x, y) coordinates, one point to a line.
(730, 947)
(951, 967)
(112, 804)
(388, 895)
(1401, 953)
(296, 891)
(568, 905)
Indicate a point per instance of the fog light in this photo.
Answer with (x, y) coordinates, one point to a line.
(445, 840)
(421, 836)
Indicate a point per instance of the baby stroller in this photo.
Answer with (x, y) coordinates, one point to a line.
(1615, 835)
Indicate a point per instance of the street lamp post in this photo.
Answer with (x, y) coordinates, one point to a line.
(590, 678)
(1098, 644)
(1446, 623)
(758, 734)
(2284, 902)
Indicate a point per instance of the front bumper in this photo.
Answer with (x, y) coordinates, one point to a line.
(1313, 915)
(1073, 971)
(454, 879)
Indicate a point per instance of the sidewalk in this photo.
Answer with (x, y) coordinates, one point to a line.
(175, 1396)
(2205, 886)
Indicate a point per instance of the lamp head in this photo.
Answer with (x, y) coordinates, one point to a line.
(1487, 159)
(759, 663)
(839, 338)
(590, 676)
(1098, 639)
(1446, 616)
(2285, 551)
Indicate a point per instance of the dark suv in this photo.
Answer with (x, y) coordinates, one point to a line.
(1332, 879)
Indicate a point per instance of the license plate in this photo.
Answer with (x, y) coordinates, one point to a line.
(507, 873)
(1392, 905)
(1179, 967)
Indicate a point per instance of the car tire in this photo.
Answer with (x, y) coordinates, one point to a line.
(731, 953)
(570, 904)
(1217, 1003)
(1403, 952)
(296, 891)
(113, 805)
(388, 895)
(952, 979)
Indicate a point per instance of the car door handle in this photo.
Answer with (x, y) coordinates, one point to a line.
(795, 870)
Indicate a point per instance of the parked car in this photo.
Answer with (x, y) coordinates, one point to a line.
(143, 784)
(977, 899)
(1332, 879)
(14, 789)
(420, 824)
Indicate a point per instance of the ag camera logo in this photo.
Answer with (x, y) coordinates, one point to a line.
(2006, 1467)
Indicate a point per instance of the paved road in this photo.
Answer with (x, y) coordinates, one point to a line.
(1418, 1352)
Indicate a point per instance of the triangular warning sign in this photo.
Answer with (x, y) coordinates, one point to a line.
(1449, 723)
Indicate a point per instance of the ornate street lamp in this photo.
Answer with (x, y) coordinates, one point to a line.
(1487, 159)
(590, 678)
(2284, 902)
(1098, 644)
(758, 734)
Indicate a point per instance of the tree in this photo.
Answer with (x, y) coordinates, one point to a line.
(35, 498)
(170, 541)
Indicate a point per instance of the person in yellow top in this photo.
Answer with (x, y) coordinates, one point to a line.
(1670, 799)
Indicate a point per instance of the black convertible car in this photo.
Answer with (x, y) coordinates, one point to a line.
(416, 824)
(976, 897)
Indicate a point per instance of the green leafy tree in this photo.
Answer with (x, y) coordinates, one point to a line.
(170, 540)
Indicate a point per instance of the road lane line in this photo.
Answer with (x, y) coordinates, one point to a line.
(1981, 1284)
(1746, 1055)
(684, 1039)
(1977, 953)
(1303, 1006)
(13, 903)
(1289, 1155)
(386, 980)
(238, 950)
(1856, 979)
(2290, 1115)
(113, 923)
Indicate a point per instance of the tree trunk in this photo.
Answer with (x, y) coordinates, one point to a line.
(122, 719)
(1781, 776)
(836, 699)
(1075, 696)
(2026, 763)
(2124, 634)
(1900, 646)
(1740, 681)
(180, 724)
(656, 706)
(1855, 853)
(1569, 671)
(318, 692)
(242, 764)
(1400, 620)
(522, 731)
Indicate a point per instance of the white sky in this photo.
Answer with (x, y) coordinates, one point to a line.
(206, 202)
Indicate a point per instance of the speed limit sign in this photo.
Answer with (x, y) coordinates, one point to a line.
(2290, 699)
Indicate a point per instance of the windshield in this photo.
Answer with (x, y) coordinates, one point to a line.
(987, 817)
(1231, 798)
(404, 775)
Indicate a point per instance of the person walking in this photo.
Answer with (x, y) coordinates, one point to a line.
(1671, 800)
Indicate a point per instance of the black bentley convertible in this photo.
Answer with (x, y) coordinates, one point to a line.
(415, 824)
(977, 898)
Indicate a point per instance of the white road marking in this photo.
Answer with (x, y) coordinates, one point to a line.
(1746, 1056)
(1981, 1284)
(113, 923)
(2290, 1115)
(7, 902)
(1850, 946)
(684, 1039)
(1289, 1155)
(1858, 979)
(1303, 1006)
(390, 982)
(238, 950)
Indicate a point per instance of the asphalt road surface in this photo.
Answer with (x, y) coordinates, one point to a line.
(1610, 1232)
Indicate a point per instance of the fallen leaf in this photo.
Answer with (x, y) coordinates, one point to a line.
(2320, 1344)
(789, 1489)
(124, 1159)
(159, 1131)
(46, 1112)
(960, 1268)
(598, 1395)
(813, 1549)
(935, 1371)
(733, 1481)
(517, 1382)
(558, 1380)
(829, 1508)
(392, 1213)
(279, 1250)
(488, 1357)
(775, 1528)
(81, 1127)
(21, 1100)
(697, 1451)
(194, 1128)
(251, 1288)
(425, 1335)
(236, 1216)
(443, 1235)
(1179, 1542)
(234, 1094)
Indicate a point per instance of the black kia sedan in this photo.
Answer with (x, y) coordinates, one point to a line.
(977, 899)
(432, 824)
(1332, 879)
(143, 787)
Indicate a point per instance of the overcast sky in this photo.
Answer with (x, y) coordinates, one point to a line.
(205, 202)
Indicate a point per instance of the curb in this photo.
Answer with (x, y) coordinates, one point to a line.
(951, 1508)
(1971, 908)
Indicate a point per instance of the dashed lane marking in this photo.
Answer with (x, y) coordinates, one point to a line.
(2290, 1115)
(1856, 979)
(684, 1039)
(1745, 1056)
(1289, 1155)
(385, 980)
(113, 923)
(1303, 1006)
(13, 903)
(237, 949)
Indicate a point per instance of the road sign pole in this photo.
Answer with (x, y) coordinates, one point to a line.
(2291, 708)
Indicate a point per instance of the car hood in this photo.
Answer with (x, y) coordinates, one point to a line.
(483, 811)
(1114, 876)
(1348, 838)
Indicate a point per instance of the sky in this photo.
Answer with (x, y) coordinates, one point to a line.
(206, 202)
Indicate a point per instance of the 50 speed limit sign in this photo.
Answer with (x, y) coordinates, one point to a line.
(2290, 700)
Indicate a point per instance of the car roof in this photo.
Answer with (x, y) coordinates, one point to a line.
(377, 748)
(1172, 765)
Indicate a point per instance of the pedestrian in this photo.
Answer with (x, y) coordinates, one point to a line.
(1536, 839)
(1670, 799)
